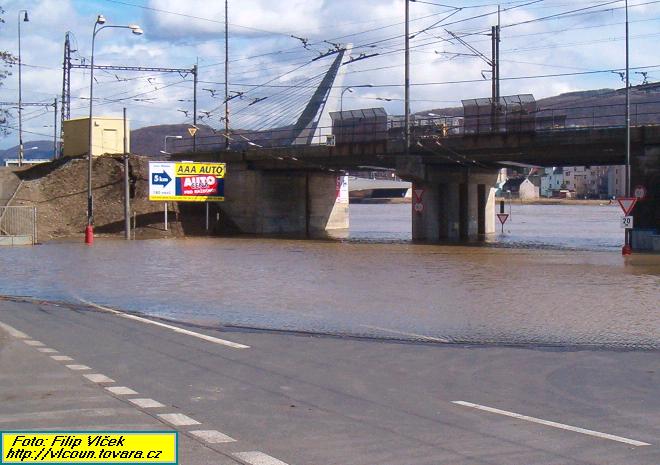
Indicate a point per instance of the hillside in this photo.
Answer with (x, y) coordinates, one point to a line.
(59, 191)
(601, 107)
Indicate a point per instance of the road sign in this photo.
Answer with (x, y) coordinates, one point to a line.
(627, 204)
(640, 192)
(418, 204)
(627, 222)
(186, 182)
(192, 131)
(502, 217)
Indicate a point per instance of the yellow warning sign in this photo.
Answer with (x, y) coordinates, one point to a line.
(192, 131)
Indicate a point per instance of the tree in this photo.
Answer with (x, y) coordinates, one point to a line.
(6, 62)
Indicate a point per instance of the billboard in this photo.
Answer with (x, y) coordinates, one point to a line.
(186, 181)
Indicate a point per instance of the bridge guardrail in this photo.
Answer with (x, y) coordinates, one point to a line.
(542, 119)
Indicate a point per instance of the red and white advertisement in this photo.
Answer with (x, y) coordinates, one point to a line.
(199, 185)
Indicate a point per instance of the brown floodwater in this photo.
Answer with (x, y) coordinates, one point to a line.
(556, 277)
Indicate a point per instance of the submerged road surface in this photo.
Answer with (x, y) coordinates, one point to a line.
(273, 399)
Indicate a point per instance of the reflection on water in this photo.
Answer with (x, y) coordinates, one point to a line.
(588, 227)
(473, 294)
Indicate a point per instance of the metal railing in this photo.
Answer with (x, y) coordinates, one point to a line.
(18, 224)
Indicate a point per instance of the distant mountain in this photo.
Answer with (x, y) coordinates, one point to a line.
(32, 149)
(150, 140)
(600, 107)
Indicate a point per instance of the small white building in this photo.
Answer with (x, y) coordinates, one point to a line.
(26, 161)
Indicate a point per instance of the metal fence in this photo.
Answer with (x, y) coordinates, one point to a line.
(18, 225)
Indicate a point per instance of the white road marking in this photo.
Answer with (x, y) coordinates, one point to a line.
(146, 403)
(403, 333)
(178, 419)
(552, 424)
(121, 390)
(212, 436)
(46, 350)
(99, 378)
(34, 343)
(176, 329)
(13, 331)
(61, 358)
(78, 367)
(258, 458)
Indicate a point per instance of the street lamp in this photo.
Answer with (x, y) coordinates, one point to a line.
(137, 30)
(349, 89)
(20, 93)
(164, 151)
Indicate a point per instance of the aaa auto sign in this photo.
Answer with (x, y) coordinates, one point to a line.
(186, 182)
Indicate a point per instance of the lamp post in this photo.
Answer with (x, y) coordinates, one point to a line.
(164, 151)
(20, 92)
(627, 247)
(137, 30)
(349, 89)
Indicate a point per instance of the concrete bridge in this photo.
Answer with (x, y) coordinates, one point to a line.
(294, 189)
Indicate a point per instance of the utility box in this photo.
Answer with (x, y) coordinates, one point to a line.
(108, 136)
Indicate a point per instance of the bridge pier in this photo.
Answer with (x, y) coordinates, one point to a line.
(646, 214)
(291, 203)
(451, 204)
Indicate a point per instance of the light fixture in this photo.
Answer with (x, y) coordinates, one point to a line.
(100, 19)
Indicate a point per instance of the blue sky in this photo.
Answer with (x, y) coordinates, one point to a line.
(263, 50)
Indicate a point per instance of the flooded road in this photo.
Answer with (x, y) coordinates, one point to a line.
(535, 289)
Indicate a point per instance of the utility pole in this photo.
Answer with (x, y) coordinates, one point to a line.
(407, 82)
(66, 88)
(497, 54)
(127, 201)
(195, 71)
(55, 128)
(21, 151)
(628, 246)
(226, 74)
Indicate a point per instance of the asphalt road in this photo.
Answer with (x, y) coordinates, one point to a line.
(305, 400)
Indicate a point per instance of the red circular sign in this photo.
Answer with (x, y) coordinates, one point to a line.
(640, 192)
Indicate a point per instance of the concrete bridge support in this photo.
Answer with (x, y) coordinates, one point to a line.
(646, 215)
(295, 203)
(452, 204)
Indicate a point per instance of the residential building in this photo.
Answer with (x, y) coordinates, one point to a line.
(616, 181)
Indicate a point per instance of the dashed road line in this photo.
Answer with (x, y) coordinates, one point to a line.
(61, 358)
(99, 378)
(212, 436)
(552, 424)
(46, 350)
(176, 329)
(258, 458)
(13, 331)
(178, 419)
(146, 403)
(403, 333)
(34, 343)
(121, 390)
(78, 367)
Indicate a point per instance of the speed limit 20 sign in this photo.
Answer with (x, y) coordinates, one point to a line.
(627, 222)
